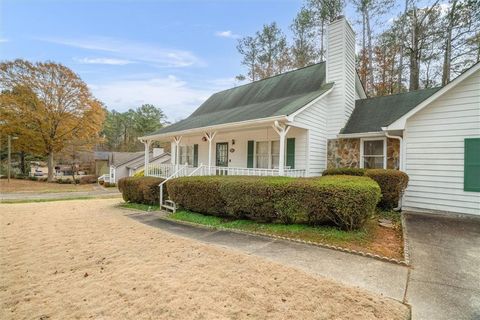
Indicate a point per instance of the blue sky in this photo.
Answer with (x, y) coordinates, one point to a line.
(173, 54)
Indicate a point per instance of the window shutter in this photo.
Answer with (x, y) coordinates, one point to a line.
(195, 155)
(471, 175)
(291, 153)
(250, 146)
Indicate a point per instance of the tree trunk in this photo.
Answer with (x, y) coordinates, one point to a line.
(447, 56)
(369, 48)
(22, 164)
(414, 56)
(50, 166)
(402, 41)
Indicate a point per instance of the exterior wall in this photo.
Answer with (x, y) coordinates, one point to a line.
(341, 70)
(435, 150)
(315, 119)
(346, 153)
(238, 158)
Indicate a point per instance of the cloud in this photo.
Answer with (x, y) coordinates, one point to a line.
(227, 34)
(176, 97)
(132, 51)
(109, 61)
(3, 40)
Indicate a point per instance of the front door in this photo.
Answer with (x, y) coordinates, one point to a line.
(221, 159)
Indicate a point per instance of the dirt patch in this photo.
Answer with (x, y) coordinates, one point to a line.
(86, 259)
(29, 186)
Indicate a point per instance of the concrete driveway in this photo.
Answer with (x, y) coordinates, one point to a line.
(444, 281)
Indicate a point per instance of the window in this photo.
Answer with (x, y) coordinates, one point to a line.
(267, 154)
(186, 155)
(261, 155)
(471, 179)
(275, 154)
(373, 153)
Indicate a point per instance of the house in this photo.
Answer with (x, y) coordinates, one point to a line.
(300, 122)
(126, 164)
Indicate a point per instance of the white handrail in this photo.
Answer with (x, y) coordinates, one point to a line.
(174, 175)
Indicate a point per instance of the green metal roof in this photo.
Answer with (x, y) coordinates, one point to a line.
(279, 95)
(371, 114)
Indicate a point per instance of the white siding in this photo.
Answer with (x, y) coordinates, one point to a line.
(341, 70)
(238, 158)
(315, 119)
(435, 150)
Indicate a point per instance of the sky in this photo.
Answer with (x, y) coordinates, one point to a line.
(173, 54)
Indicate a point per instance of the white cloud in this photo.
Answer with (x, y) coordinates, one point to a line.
(132, 51)
(2, 40)
(176, 98)
(227, 34)
(110, 61)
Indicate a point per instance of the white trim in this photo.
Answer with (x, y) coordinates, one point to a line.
(358, 84)
(292, 116)
(399, 124)
(362, 140)
(216, 127)
(361, 135)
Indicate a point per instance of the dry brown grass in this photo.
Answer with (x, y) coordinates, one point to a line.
(85, 259)
(18, 185)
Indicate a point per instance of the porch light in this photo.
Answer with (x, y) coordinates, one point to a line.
(204, 139)
(233, 141)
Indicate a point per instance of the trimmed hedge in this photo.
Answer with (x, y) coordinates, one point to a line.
(392, 182)
(343, 200)
(144, 190)
(88, 179)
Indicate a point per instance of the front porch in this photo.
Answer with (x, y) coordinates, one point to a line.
(270, 149)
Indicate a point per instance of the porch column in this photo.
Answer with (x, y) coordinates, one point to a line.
(177, 151)
(146, 143)
(210, 136)
(282, 131)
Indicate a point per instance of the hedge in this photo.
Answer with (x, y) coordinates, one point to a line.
(88, 179)
(144, 190)
(343, 200)
(392, 182)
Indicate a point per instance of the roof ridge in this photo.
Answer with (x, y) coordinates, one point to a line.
(400, 93)
(271, 77)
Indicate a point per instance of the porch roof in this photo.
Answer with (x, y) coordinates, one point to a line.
(371, 114)
(279, 95)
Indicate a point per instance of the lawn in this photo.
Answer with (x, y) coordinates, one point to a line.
(373, 238)
(86, 259)
(20, 185)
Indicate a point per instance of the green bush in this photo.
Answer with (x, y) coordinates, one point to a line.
(343, 200)
(344, 171)
(144, 190)
(392, 182)
(109, 184)
(199, 194)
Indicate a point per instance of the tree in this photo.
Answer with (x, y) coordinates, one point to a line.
(248, 47)
(304, 51)
(50, 102)
(274, 57)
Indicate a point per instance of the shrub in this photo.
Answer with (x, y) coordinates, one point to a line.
(109, 184)
(88, 179)
(139, 174)
(199, 194)
(144, 190)
(344, 171)
(392, 182)
(344, 200)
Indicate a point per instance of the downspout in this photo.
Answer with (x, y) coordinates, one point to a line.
(400, 164)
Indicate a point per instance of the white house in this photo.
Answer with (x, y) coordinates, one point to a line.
(300, 122)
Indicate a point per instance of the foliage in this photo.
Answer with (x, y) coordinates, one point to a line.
(143, 190)
(48, 107)
(121, 130)
(345, 201)
(304, 49)
(87, 179)
(392, 182)
(140, 173)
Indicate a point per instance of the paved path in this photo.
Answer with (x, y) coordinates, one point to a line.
(445, 279)
(373, 275)
(96, 193)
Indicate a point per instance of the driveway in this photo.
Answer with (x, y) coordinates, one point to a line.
(444, 281)
(97, 192)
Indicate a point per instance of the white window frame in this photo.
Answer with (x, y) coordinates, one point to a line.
(362, 140)
(186, 146)
(269, 153)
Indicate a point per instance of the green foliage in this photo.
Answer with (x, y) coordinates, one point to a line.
(143, 190)
(344, 200)
(392, 182)
(139, 174)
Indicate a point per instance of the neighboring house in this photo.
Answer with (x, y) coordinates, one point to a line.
(126, 164)
(303, 121)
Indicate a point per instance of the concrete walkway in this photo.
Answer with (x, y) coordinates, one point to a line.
(380, 277)
(445, 279)
(98, 192)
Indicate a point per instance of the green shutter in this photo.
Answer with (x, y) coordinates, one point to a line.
(291, 153)
(250, 147)
(471, 175)
(195, 155)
